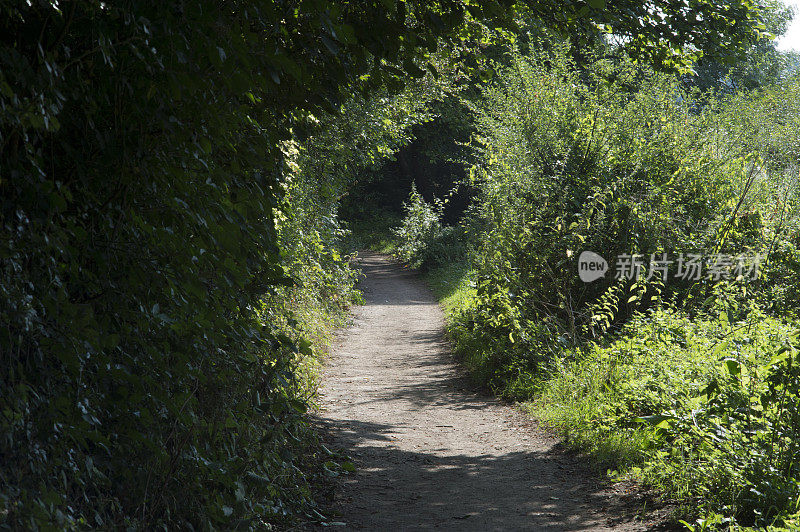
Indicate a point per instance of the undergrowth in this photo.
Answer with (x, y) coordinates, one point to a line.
(691, 406)
(373, 234)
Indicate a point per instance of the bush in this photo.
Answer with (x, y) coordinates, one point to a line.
(422, 240)
(703, 408)
(140, 385)
(612, 159)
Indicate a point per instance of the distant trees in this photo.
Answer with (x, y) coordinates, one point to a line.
(757, 65)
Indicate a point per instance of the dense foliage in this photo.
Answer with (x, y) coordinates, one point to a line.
(424, 242)
(615, 163)
(688, 385)
(171, 174)
(150, 226)
(703, 408)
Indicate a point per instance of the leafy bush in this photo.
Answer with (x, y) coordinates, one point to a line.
(422, 240)
(419, 229)
(612, 159)
(703, 408)
(139, 385)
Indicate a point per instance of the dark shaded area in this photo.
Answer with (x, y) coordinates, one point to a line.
(440, 487)
(436, 160)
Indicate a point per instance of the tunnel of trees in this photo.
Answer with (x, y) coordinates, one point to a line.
(183, 184)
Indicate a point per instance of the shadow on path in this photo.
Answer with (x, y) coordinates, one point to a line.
(429, 452)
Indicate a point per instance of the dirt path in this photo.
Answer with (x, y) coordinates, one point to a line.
(431, 453)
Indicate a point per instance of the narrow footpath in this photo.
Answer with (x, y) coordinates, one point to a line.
(430, 452)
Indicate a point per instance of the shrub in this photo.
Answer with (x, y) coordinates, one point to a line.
(612, 159)
(703, 408)
(422, 240)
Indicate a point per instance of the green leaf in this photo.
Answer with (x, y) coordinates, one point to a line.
(304, 347)
(330, 44)
(657, 420)
(733, 366)
(298, 406)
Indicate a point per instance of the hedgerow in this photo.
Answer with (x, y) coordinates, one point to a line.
(687, 386)
(161, 272)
